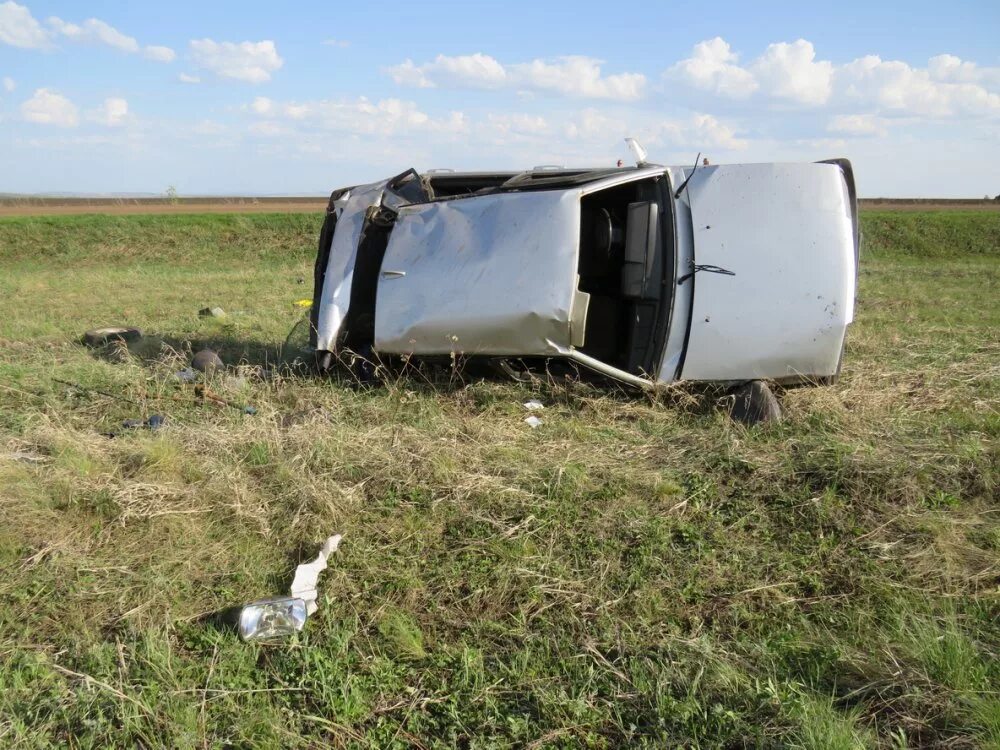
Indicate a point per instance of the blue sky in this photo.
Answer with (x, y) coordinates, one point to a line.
(254, 98)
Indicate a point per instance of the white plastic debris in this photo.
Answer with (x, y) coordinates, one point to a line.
(533, 421)
(307, 574)
(24, 458)
(533, 405)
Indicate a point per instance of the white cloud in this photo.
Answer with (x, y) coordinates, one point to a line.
(706, 130)
(699, 131)
(8, 84)
(48, 107)
(897, 88)
(360, 116)
(947, 87)
(253, 62)
(341, 43)
(269, 129)
(576, 75)
(187, 78)
(471, 71)
(519, 123)
(261, 105)
(791, 71)
(19, 28)
(595, 125)
(159, 54)
(112, 113)
(952, 69)
(208, 127)
(94, 31)
(857, 125)
(712, 67)
(572, 75)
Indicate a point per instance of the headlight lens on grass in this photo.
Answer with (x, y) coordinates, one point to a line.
(273, 618)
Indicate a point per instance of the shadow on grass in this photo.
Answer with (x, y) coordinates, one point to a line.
(552, 379)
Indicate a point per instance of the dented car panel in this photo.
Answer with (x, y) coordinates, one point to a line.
(745, 272)
(335, 295)
(492, 274)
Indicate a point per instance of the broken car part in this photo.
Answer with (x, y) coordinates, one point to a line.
(207, 361)
(154, 422)
(271, 619)
(307, 574)
(101, 336)
(202, 391)
(281, 616)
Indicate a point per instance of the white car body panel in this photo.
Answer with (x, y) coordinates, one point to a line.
(336, 294)
(786, 231)
(493, 274)
(673, 352)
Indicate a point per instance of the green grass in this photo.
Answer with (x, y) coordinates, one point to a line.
(637, 572)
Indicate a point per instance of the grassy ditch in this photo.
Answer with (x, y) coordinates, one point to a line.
(637, 571)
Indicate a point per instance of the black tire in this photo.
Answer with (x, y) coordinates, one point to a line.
(101, 336)
(753, 403)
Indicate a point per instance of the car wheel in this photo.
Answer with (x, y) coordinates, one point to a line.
(753, 403)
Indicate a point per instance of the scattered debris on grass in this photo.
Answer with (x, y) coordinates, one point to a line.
(206, 394)
(212, 312)
(187, 375)
(272, 619)
(307, 574)
(280, 616)
(98, 391)
(533, 405)
(154, 422)
(24, 458)
(100, 336)
(533, 421)
(207, 361)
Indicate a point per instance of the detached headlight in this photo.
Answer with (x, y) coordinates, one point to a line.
(273, 618)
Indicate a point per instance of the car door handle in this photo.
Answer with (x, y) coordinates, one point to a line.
(393, 274)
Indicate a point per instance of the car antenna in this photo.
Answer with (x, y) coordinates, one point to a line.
(697, 161)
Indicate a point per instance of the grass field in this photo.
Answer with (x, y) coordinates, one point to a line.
(637, 571)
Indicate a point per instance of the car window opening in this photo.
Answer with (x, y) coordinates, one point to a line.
(626, 240)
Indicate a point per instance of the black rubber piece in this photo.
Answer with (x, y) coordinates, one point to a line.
(207, 361)
(753, 403)
(101, 336)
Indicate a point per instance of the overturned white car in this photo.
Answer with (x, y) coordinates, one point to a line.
(646, 274)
